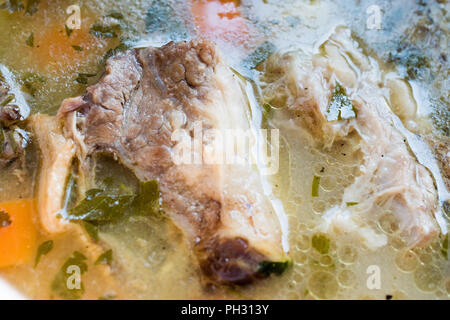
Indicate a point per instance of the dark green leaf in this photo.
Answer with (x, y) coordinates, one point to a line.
(60, 283)
(315, 186)
(83, 78)
(68, 30)
(30, 40)
(5, 219)
(444, 249)
(91, 229)
(273, 267)
(103, 207)
(321, 243)
(43, 249)
(105, 258)
(77, 48)
(115, 15)
(9, 98)
(350, 204)
(102, 31)
(340, 106)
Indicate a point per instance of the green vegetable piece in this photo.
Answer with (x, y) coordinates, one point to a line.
(68, 30)
(77, 48)
(9, 98)
(350, 204)
(273, 267)
(83, 77)
(321, 243)
(105, 258)
(315, 186)
(5, 219)
(30, 40)
(91, 229)
(148, 199)
(444, 249)
(65, 285)
(115, 15)
(102, 31)
(43, 249)
(340, 106)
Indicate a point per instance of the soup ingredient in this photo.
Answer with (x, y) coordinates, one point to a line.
(390, 179)
(145, 98)
(43, 249)
(340, 106)
(105, 258)
(64, 285)
(17, 232)
(57, 153)
(321, 243)
(270, 267)
(100, 206)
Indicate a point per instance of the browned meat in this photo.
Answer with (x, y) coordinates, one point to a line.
(143, 97)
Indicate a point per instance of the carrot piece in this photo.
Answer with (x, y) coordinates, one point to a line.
(18, 235)
(220, 19)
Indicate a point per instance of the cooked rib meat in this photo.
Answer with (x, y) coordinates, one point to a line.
(391, 181)
(146, 95)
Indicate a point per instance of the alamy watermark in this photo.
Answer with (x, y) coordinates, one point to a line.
(197, 146)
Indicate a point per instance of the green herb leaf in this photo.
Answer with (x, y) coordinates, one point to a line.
(321, 243)
(77, 48)
(105, 258)
(83, 77)
(9, 98)
(350, 204)
(5, 219)
(68, 30)
(315, 186)
(273, 267)
(340, 106)
(115, 15)
(91, 229)
(43, 249)
(102, 31)
(32, 82)
(30, 40)
(102, 207)
(64, 284)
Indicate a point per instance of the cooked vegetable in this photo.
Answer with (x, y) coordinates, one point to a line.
(350, 204)
(315, 186)
(100, 206)
(273, 267)
(30, 40)
(102, 31)
(444, 249)
(321, 243)
(340, 106)
(18, 233)
(43, 249)
(77, 48)
(63, 285)
(83, 77)
(105, 258)
(91, 229)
